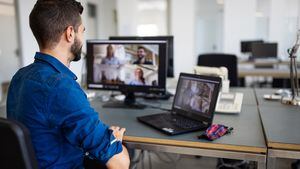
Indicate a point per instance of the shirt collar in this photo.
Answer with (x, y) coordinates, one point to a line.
(55, 63)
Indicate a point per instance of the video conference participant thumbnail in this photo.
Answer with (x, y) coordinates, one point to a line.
(117, 64)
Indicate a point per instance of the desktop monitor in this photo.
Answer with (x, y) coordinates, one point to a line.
(127, 66)
(170, 50)
(264, 50)
(246, 46)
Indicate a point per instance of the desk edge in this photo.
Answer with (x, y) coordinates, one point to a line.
(284, 146)
(192, 144)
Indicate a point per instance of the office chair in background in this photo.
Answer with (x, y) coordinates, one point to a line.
(16, 149)
(218, 60)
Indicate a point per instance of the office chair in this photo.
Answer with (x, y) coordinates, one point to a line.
(16, 150)
(218, 60)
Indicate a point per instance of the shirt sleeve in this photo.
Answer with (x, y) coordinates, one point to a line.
(80, 124)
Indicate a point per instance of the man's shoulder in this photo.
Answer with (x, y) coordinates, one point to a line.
(42, 74)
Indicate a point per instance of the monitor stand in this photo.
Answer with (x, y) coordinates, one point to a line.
(128, 103)
(164, 96)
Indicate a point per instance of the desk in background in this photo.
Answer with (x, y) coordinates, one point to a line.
(281, 125)
(265, 62)
(265, 72)
(278, 70)
(242, 144)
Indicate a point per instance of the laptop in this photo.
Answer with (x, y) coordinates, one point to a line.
(193, 106)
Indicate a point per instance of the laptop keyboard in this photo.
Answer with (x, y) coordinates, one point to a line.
(181, 122)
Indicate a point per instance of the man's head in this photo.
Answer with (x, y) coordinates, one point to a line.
(141, 52)
(54, 21)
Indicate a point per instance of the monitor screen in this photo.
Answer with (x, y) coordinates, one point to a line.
(170, 50)
(246, 46)
(264, 50)
(127, 66)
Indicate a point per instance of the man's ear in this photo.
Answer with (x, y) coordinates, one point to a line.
(70, 34)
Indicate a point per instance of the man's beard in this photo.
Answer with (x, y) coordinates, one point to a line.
(76, 49)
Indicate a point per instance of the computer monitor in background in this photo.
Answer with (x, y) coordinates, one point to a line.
(246, 46)
(128, 67)
(170, 50)
(264, 50)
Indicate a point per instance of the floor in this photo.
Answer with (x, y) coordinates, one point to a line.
(175, 161)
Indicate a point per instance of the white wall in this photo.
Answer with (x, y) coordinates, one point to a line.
(127, 15)
(183, 28)
(209, 27)
(283, 24)
(27, 41)
(153, 13)
(8, 45)
(239, 23)
(107, 18)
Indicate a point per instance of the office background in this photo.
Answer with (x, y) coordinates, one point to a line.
(199, 26)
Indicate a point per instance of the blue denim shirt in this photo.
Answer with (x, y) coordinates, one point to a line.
(46, 98)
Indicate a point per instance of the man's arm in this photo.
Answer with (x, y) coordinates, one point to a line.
(121, 160)
(80, 124)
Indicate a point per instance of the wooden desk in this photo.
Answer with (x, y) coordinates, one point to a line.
(264, 62)
(280, 70)
(241, 144)
(266, 72)
(281, 125)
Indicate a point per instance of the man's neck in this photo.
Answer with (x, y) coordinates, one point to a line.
(61, 56)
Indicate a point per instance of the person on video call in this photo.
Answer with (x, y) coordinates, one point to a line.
(65, 130)
(141, 57)
(110, 58)
(138, 77)
(199, 100)
(185, 95)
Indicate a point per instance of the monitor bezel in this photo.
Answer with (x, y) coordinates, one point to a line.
(161, 88)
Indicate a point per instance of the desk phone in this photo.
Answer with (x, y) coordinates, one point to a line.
(229, 103)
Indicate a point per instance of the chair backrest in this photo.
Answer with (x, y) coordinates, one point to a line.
(218, 60)
(16, 149)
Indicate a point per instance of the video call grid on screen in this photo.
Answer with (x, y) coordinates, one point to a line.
(129, 63)
(195, 95)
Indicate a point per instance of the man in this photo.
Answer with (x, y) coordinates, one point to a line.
(46, 98)
(141, 54)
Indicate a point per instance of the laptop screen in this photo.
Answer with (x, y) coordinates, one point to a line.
(196, 96)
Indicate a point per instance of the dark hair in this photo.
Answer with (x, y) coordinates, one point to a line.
(142, 47)
(142, 75)
(50, 18)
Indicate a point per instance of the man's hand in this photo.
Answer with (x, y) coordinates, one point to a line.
(118, 132)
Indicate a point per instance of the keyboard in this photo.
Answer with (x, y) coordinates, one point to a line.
(180, 121)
